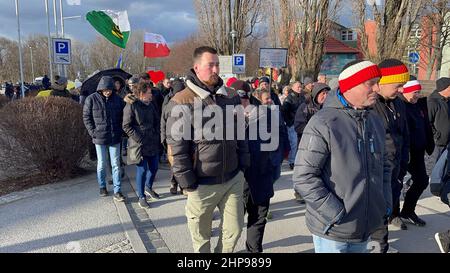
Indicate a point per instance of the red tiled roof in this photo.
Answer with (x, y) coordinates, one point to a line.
(333, 45)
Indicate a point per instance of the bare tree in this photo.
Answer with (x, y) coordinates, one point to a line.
(304, 26)
(217, 18)
(394, 21)
(436, 34)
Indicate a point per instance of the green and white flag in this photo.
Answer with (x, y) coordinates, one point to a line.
(113, 25)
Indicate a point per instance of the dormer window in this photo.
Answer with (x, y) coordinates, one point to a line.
(347, 35)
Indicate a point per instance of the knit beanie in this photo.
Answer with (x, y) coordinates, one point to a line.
(411, 86)
(230, 81)
(357, 72)
(393, 71)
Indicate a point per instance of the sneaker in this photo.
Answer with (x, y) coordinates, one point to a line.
(143, 203)
(119, 197)
(398, 222)
(413, 219)
(299, 198)
(291, 166)
(173, 189)
(152, 194)
(103, 192)
(443, 241)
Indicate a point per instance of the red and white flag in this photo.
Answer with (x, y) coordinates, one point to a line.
(155, 46)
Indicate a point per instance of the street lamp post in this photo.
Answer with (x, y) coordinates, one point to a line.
(233, 34)
(32, 66)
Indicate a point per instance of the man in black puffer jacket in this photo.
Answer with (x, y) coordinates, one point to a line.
(208, 169)
(102, 116)
(341, 168)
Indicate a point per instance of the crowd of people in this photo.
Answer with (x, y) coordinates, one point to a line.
(349, 146)
(350, 143)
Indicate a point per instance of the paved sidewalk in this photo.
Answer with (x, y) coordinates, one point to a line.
(65, 217)
(71, 217)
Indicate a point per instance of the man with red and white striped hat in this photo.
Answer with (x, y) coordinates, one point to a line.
(339, 168)
(421, 141)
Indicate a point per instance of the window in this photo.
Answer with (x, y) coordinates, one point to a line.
(347, 35)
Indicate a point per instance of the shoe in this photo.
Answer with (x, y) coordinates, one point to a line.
(103, 192)
(299, 198)
(398, 222)
(413, 219)
(443, 241)
(143, 203)
(173, 189)
(152, 194)
(119, 197)
(291, 166)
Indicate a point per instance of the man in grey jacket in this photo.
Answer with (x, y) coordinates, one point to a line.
(340, 169)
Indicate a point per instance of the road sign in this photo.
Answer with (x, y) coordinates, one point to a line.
(225, 65)
(273, 57)
(414, 57)
(61, 51)
(238, 63)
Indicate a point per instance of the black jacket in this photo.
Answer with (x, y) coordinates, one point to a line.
(439, 115)
(202, 161)
(290, 106)
(419, 128)
(141, 124)
(103, 118)
(393, 114)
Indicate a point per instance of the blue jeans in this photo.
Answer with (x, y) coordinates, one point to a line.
(292, 134)
(114, 155)
(322, 245)
(146, 173)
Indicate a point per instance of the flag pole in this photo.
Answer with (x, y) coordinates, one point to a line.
(20, 49)
(49, 42)
(61, 13)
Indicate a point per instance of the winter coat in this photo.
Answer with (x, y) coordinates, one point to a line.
(393, 114)
(259, 175)
(290, 106)
(141, 124)
(203, 161)
(419, 128)
(303, 114)
(341, 172)
(439, 115)
(103, 118)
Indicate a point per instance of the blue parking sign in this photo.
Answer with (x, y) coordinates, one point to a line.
(61, 51)
(239, 60)
(62, 47)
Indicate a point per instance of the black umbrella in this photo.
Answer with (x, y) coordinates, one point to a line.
(89, 86)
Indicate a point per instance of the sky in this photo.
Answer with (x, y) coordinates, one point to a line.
(173, 19)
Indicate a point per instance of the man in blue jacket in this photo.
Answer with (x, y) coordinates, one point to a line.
(102, 116)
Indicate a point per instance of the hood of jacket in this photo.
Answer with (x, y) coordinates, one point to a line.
(106, 82)
(194, 83)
